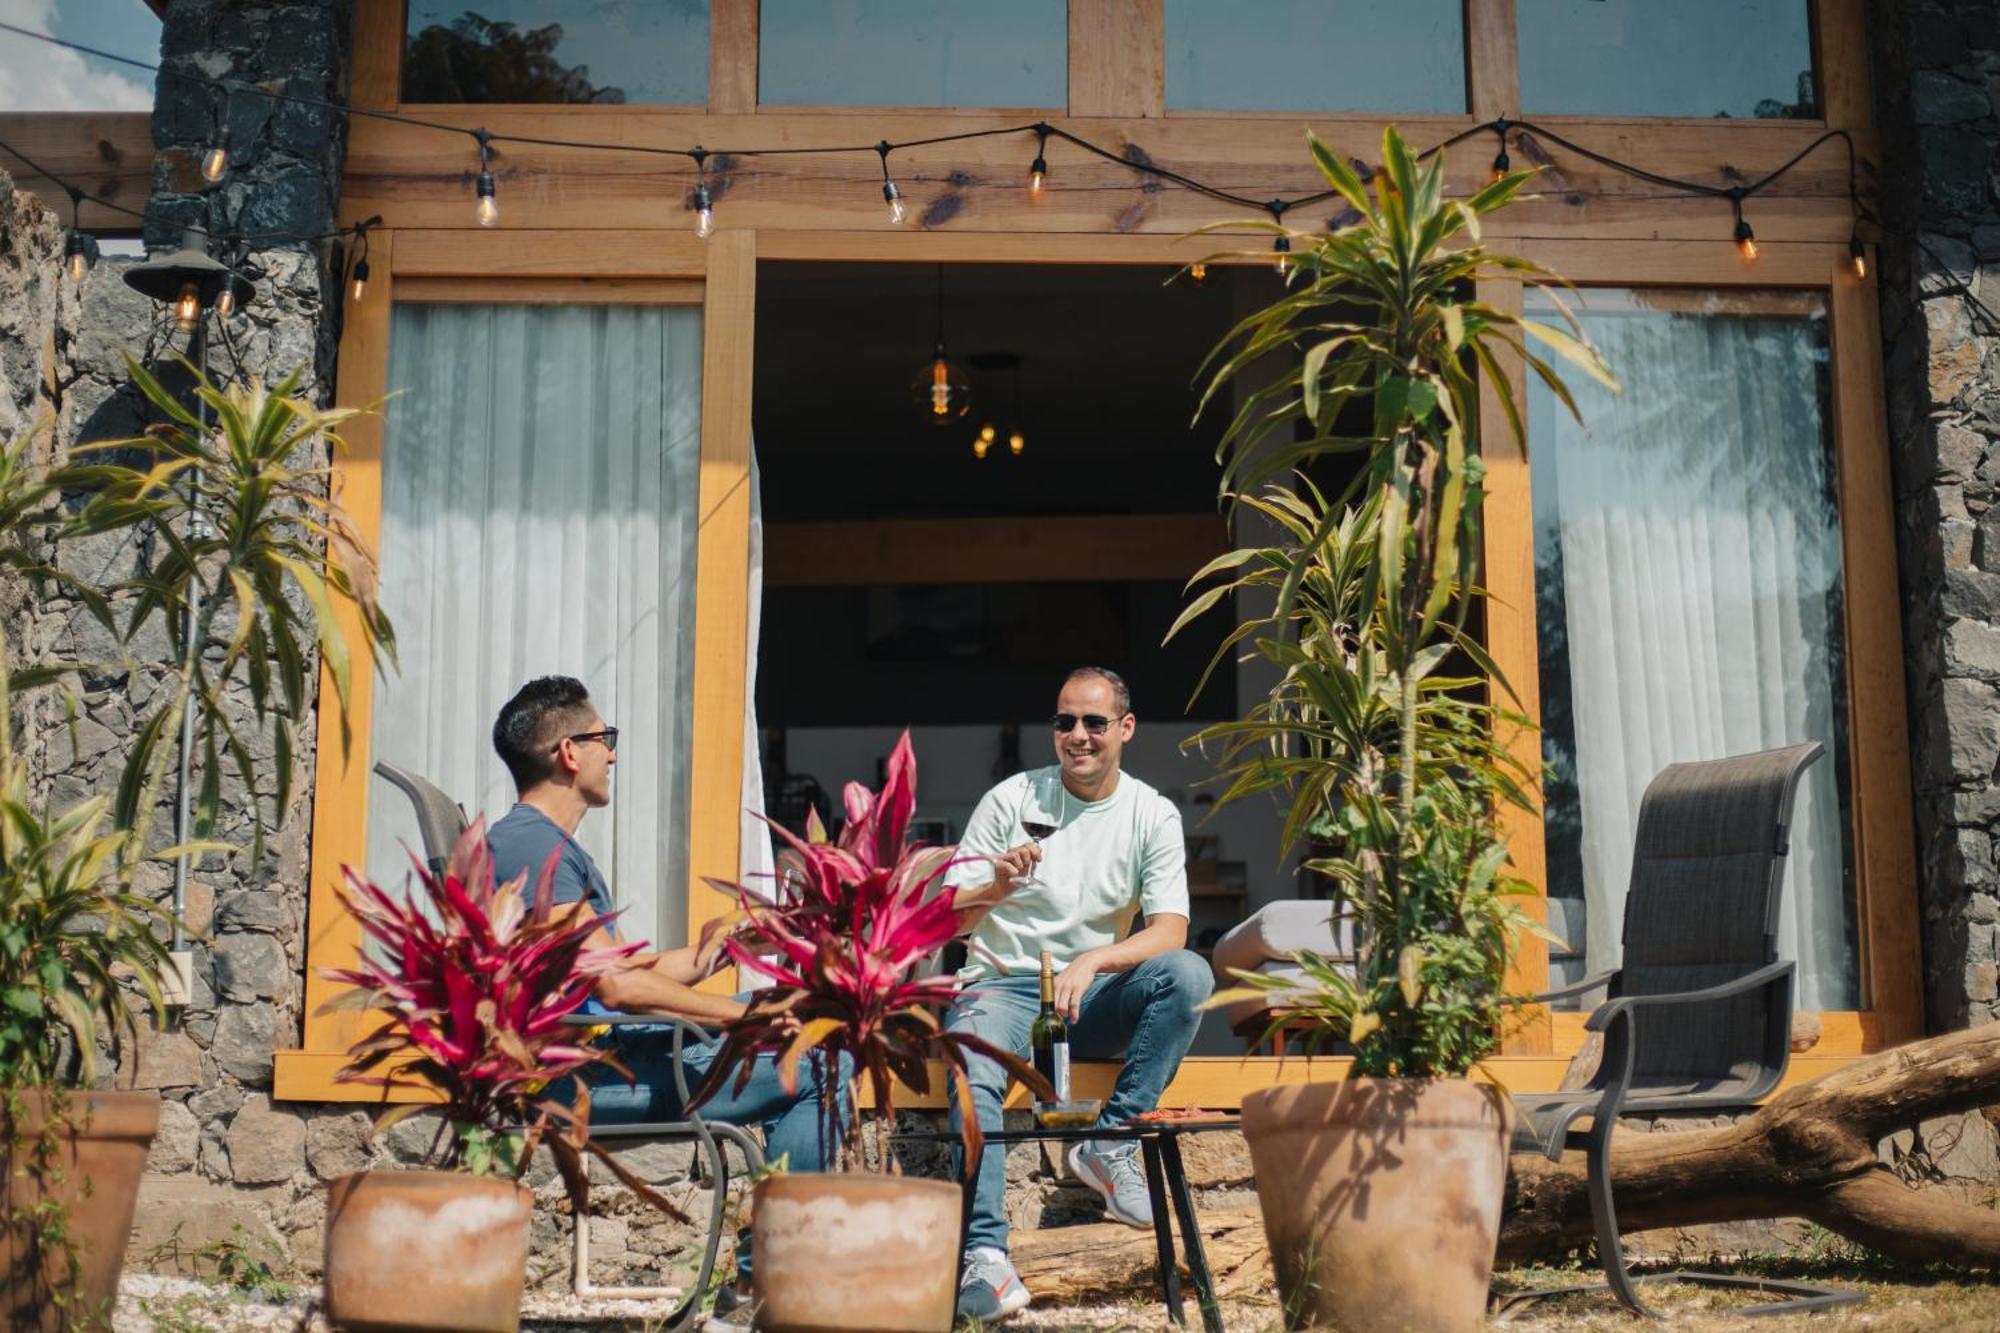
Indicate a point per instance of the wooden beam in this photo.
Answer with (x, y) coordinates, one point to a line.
(418, 178)
(473, 252)
(1492, 61)
(551, 291)
(732, 57)
(340, 778)
(108, 154)
(722, 577)
(1054, 549)
(376, 72)
(1117, 58)
(1841, 31)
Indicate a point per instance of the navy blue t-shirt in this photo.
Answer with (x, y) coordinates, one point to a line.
(524, 838)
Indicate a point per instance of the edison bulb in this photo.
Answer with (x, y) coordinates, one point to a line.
(894, 198)
(215, 162)
(980, 445)
(360, 278)
(187, 308)
(225, 300)
(1016, 443)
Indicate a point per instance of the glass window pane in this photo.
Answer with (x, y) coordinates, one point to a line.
(913, 53)
(640, 51)
(538, 518)
(1402, 56)
(1688, 599)
(1641, 58)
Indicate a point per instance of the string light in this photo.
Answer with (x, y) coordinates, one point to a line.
(704, 204)
(1857, 256)
(890, 194)
(487, 209)
(360, 277)
(1198, 273)
(76, 246)
(1016, 443)
(980, 444)
(987, 433)
(1746, 239)
(216, 159)
(1281, 247)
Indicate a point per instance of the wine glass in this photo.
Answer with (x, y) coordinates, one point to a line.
(1039, 818)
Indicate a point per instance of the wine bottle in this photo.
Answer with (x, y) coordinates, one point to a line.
(1050, 1035)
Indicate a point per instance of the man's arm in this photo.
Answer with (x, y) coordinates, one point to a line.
(653, 985)
(1162, 933)
(1010, 867)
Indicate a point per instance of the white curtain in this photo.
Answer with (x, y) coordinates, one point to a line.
(1688, 548)
(756, 861)
(538, 517)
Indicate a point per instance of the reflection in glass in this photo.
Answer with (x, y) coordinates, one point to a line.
(1404, 56)
(640, 51)
(927, 53)
(1750, 58)
(1688, 597)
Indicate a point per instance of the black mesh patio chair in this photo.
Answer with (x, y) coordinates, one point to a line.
(1699, 1015)
(440, 822)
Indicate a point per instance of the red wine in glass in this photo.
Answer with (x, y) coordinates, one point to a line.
(1036, 830)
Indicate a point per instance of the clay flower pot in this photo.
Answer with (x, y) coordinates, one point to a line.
(103, 1139)
(434, 1250)
(1381, 1200)
(855, 1254)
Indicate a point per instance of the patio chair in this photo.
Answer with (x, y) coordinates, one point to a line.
(1698, 1016)
(440, 821)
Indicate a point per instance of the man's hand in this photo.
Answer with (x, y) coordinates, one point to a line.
(1072, 982)
(708, 950)
(1013, 865)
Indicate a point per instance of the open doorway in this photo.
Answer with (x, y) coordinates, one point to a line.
(916, 576)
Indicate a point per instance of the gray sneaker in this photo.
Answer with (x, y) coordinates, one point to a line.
(990, 1290)
(1113, 1169)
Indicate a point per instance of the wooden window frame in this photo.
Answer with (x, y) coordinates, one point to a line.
(597, 230)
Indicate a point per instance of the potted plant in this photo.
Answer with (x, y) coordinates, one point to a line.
(1383, 735)
(235, 527)
(476, 983)
(860, 1248)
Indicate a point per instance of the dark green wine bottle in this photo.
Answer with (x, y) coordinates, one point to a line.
(1049, 1037)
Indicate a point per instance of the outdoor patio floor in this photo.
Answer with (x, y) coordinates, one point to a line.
(1898, 1303)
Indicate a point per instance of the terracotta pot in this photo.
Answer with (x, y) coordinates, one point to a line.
(1381, 1200)
(103, 1138)
(854, 1254)
(436, 1250)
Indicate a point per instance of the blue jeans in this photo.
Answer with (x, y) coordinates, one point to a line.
(1148, 1016)
(791, 1121)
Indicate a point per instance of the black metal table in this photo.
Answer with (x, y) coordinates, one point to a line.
(1166, 1177)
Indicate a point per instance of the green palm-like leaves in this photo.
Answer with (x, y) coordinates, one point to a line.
(1380, 735)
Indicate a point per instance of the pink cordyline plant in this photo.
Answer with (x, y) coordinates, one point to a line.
(864, 911)
(477, 994)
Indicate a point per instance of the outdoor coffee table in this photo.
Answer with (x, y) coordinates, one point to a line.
(1160, 1147)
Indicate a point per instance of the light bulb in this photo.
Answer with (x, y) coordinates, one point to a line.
(940, 388)
(980, 445)
(78, 265)
(488, 208)
(76, 254)
(986, 433)
(894, 198)
(704, 213)
(1282, 247)
(215, 162)
(1198, 273)
(1857, 254)
(187, 308)
(225, 300)
(1746, 241)
(1501, 166)
(1016, 443)
(360, 278)
(1037, 173)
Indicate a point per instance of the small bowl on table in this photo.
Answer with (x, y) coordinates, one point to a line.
(1076, 1113)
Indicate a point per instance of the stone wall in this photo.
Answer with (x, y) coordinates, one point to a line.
(1937, 86)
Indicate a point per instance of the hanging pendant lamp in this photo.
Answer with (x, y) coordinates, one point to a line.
(940, 390)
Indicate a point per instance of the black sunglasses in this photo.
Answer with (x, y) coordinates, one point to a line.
(609, 736)
(1094, 723)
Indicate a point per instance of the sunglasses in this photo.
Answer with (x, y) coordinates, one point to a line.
(609, 736)
(1094, 723)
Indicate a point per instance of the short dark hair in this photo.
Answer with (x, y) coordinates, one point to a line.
(533, 723)
(1119, 694)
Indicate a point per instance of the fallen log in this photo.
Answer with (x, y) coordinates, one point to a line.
(1809, 1152)
(1107, 1261)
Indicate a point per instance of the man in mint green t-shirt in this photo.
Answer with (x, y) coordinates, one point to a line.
(1064, 858)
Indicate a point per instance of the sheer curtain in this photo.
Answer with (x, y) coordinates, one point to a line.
(538, 517)
(1689, 595)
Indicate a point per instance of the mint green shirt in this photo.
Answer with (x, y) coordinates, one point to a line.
(1106, 862)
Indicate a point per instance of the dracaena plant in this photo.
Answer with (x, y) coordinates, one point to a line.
(861, 912)
(1386, 734)
(476, 982)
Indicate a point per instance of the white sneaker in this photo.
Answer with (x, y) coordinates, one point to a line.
(991, 1289)
(1113, 1170)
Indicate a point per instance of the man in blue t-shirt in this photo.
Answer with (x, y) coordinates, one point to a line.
(560, 752)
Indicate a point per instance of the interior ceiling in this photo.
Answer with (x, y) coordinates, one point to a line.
(1108, 359)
